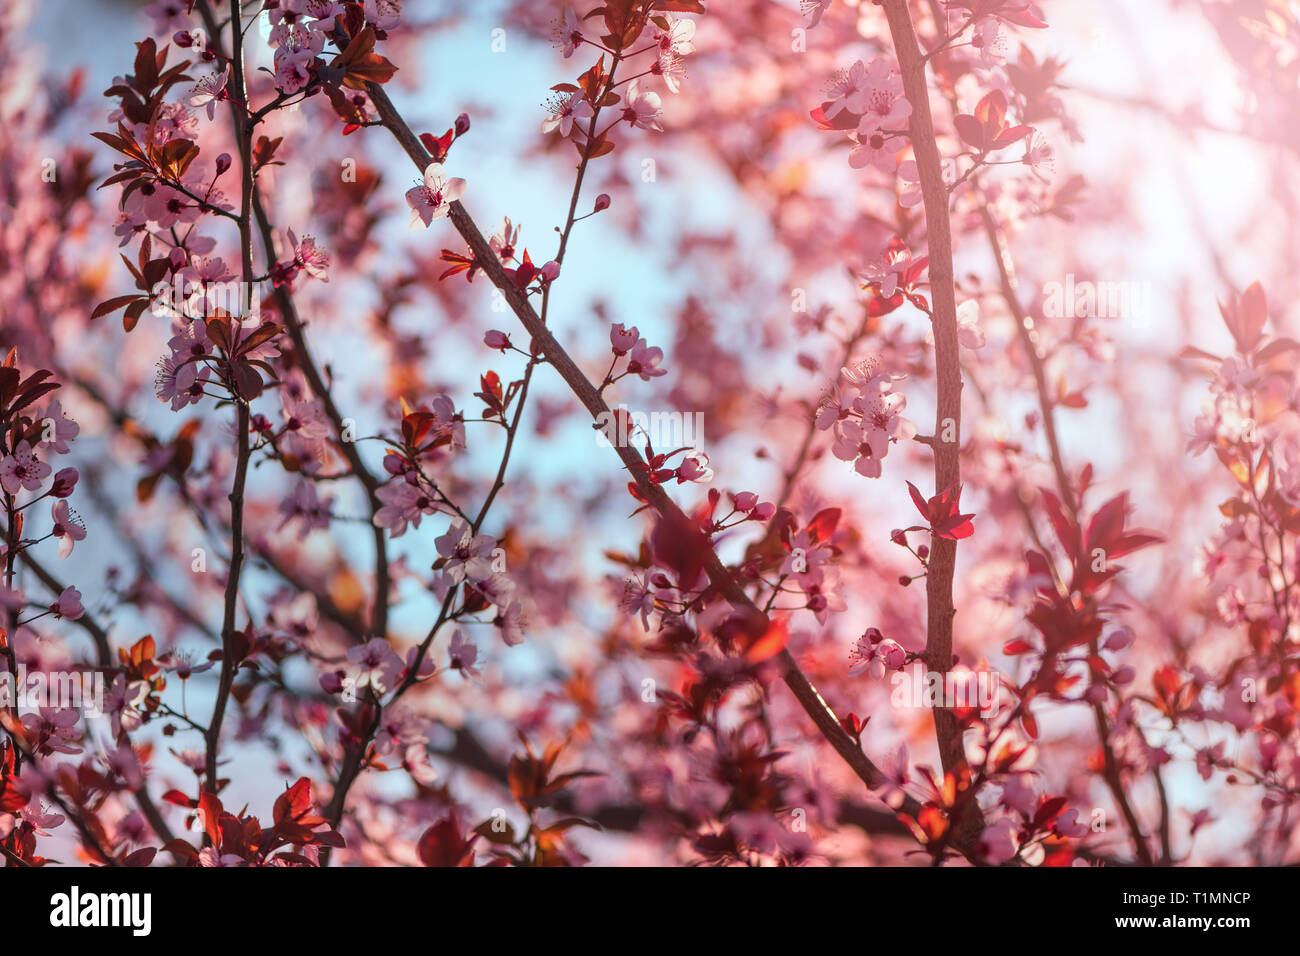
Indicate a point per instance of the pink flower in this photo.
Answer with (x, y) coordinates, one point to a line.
(672, 71)
(182, 662)
(695, 467)
(180, 381)
(882, 414)
(567, 109)
(896, 778)
(383, 14)
(68, 605)
(643, 108)
(1000, 841)
(567, 33)
(463, 654)
(68, 527)
(969, 332)
(876, 653)
(805, 560)
(293, 67)
(398, 729)
(846, 90)
(990, 41)
(623, 339)
(313, 261)
(1018, 794)
(434, 197)
(209, 857)
(812, 11)
(123, 703)
(208, 92)
(60, 428)
(911, 195)
(467, 554)
(22, 470)
(873, 150)
(865, 447)
(511, 622)
(505, 240)
(426, 668)
(1208, 759)
(644, 361)
(676, 41)
(638, 598)
(403, 503)
(415, 761)
(168, 16)
(378, 665)
(53, 731)
(1040, 157)
(304, 504)
(887, 267)
(831, 409)
(1069, 825)
(880, 99)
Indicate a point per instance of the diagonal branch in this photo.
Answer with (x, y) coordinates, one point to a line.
(545, 344)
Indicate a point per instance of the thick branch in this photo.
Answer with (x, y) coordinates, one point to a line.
(947, 426)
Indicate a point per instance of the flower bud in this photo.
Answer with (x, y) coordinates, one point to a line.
(64, 481)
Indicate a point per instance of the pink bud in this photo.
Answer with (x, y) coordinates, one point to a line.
(551, 271)
(494, 339)
(764, 511)
(462, 124)
(1119, 639)
(331, 683)
(65, 479)
(622, 339)
(68, 605)
(745, 501)
(223, 163)
(602, 202)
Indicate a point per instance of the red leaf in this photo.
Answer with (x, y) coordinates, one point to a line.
(823, 524)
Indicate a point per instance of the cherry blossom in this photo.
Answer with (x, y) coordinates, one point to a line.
(21, 469)
(68, 527)
(376, 665)
(431, 200)
(567, 109)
